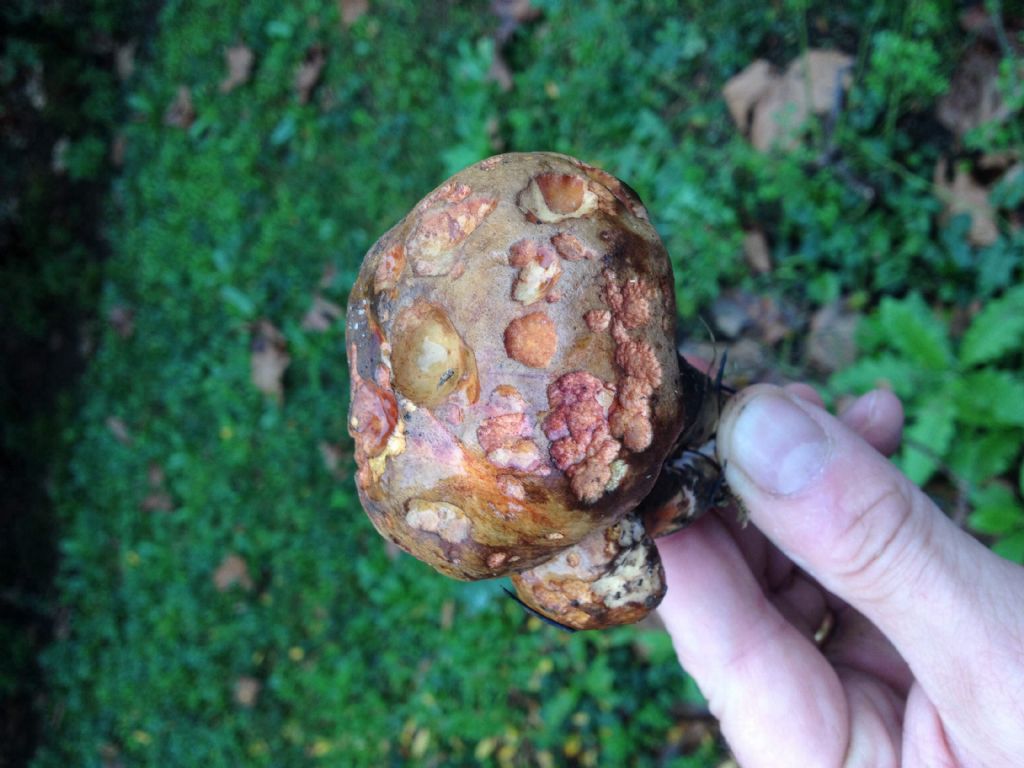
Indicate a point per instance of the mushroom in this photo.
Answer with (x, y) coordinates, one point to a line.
(518, 405)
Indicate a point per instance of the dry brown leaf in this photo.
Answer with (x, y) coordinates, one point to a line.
(500, 72)
(828, 72)
(239, 59)
(124, 60)
(977, 21)
(231, 571)
(180, 112)
(743, 91)
(333, 456)
(308, 74)
(756, 252)
(119, 430)
(247, 690)
(352, 10)
(155, 475)
(110, 756)
(327, 278)
(511, 14)
(999, 162)
(322, 315)
(810, 86)
(447, 614)
(964, 195)
(973, 97)
(122, 320)
(118, 146)
(59, 155)
(158, 501)
(776, 107)
(830, 342)
(269, 359)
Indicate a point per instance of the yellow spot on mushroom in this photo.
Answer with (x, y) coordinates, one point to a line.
(618, 468)
(393, 447)
(429, 359)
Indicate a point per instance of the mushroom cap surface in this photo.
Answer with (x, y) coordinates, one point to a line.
(515, 385)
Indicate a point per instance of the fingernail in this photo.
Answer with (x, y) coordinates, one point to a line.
(859, 415)
(777, 445)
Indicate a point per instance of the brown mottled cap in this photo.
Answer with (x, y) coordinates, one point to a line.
(514, 376)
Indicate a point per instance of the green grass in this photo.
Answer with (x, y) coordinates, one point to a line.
(262, 203)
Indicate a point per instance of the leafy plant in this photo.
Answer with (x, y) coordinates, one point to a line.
(964, 401)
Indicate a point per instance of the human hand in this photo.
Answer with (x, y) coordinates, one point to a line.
(925, 666)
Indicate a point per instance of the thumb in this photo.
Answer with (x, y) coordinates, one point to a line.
(845, 514)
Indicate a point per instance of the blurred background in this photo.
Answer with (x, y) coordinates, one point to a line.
(186, 576)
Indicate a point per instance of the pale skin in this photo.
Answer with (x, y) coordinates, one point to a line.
(925, 666)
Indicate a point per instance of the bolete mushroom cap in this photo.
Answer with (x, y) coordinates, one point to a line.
(515, 385)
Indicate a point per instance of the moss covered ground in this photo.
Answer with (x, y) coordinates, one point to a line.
(191, 580)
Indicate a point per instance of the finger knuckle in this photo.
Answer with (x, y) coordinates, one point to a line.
(880, 550)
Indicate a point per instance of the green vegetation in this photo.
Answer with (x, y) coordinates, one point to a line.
(966, 406)
(221, 598)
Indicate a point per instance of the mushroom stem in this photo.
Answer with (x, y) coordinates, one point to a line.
(691, 481)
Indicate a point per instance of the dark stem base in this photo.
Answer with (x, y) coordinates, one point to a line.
(691, 481)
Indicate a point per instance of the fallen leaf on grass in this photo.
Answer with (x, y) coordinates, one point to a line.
(269, 359)
(756, 252)
(973, 97)
(322, 315)
(124, 60)
(180, 113)
(327, 278)
(964, 195)
(831, 345)
(447, 614)
(247, 690)
(119, 430)
(511, 14)
(742, 92)
(308, 74)
(158, 499)
(239, 59)
(110, 756)
(352, 10)
(118, 146)
(231, 571)
(333, 455)
(122, 320)
(772, 108)
(59, 156)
